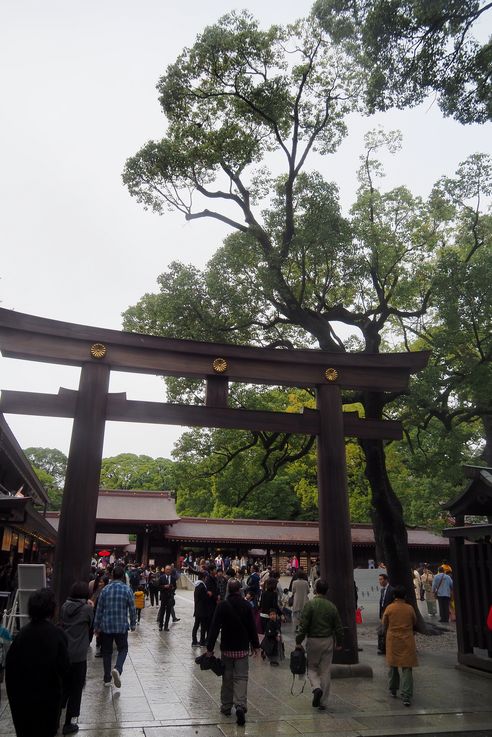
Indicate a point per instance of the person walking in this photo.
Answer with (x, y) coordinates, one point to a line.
(427, 579)
(139, 599)
(399, 620)
(442, 588)
(201, 611)
(268, 601)
(321, 625)
(300, 593)
(76, 618)
(115, 607)
(36, 665)
(234, 620)
(167, 586)
(153, 583)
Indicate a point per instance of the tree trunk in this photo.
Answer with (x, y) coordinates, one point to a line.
(390, 532)
(487, 426)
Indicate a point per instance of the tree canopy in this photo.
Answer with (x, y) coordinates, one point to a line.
(238, 102)
(409, 49)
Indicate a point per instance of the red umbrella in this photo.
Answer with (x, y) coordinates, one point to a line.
(104, 553)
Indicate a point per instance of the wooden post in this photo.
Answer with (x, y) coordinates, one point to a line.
(77, 529)
(139, 547)
(146, 546)
(335, 542)
(216, 392)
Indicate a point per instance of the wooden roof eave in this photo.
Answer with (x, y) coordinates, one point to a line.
(16, 458)
(476, 499)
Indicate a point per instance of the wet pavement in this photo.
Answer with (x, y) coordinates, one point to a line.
(164, 694)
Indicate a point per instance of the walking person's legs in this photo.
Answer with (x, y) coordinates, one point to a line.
(78, 673)
(431, 607)
(324, 669)
(107, 653)
(407, 685)
(169, 608)
(121, 640)
(313, 653)
(227, 689)
(160, 615)
(394, 680)
(194, 631)
(240, 687)
(203, 630)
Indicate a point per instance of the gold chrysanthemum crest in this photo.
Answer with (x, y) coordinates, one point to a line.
(98, 350)
(219, 365)
(331, 374)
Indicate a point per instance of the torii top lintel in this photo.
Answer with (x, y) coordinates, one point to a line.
(52, 341)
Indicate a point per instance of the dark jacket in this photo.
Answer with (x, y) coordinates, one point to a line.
(201, 600)
(76, 617)
(37, 663)
(167, 594)
(253, 583)
(211, 584)
(233, 618)
(388, 599)
(269, 600)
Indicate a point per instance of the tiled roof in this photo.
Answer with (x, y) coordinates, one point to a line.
(278, 531)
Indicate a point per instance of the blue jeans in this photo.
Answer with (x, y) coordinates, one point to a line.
(121, 641)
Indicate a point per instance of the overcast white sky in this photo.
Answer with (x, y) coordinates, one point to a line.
(77, 90)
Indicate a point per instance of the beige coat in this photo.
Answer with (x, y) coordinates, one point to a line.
(399, 619)
(300, 589)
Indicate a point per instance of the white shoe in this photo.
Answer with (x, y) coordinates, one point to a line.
(116, 677)
(107, 684)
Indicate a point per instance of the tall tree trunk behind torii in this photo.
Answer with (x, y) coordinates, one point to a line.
(390, 532)
(487, 426)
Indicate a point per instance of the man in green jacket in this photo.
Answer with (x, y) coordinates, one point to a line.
(321, 624)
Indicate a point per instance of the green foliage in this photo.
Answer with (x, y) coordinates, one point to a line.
(55, 493)
(410, 48)
(130, 471)
(50, 466)
(125, 471)
(51, 460)
(426, 470)
(236, 95)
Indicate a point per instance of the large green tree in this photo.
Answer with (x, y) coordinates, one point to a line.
(409, 49)
(50, 466)
(299, 268)
(456, 389)
(130, 471)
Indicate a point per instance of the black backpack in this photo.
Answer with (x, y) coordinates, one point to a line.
(298, 665)
(298, 662)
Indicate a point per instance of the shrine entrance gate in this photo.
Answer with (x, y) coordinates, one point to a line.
(99, 351)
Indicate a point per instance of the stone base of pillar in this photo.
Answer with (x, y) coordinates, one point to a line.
(359, 670)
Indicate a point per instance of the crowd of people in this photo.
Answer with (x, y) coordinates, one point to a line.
(246, 604)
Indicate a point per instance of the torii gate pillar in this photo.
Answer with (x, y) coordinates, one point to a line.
(77, 530)
(335, 541)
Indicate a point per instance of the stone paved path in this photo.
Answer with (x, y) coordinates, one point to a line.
(164, 694)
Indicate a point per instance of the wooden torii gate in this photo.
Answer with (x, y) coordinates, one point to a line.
(98, 351)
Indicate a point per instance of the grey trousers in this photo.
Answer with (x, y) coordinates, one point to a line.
(319, 651)
(404, 683)
(234, 691)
